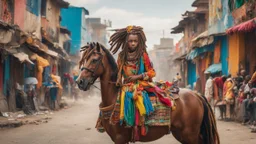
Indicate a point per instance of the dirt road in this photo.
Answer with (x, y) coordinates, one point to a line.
(76, 126)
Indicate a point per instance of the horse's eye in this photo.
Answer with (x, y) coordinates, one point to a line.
(94, 61)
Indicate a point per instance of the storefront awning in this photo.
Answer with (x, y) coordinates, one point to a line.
(52, 53)
(19, 55)
(204, 39)
(243, 27)
(181, 57)
(214, 68)
(196, 52)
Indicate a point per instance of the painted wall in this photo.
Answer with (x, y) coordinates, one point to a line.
(51, 21)
(19, 13)
(220, 17)
(33, 17)
(236, 53)
(72, 20)
(224, 55)
(83, 30)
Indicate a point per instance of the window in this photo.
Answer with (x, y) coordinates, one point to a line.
(33, 7)
(43, 8)
(66, 46)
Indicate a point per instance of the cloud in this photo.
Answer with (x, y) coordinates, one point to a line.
(80, 3)
(153, 26)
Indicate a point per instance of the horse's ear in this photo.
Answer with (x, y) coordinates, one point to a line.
(91, 45)
(98, 47)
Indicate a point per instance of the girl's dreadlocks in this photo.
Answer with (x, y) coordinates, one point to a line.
(119, 40)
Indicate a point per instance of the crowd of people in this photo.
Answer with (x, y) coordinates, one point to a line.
(235, 97)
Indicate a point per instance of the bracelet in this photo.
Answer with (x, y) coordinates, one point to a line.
(145, 76)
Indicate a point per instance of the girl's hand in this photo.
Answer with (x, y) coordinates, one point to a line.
(133, 78)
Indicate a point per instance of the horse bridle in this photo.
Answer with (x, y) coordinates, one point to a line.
(98, 63)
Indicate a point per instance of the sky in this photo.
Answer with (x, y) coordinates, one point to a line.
(157, 17)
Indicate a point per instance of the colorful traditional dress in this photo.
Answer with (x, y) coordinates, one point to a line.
(134, 97)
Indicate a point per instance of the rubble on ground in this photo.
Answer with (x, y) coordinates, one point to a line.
(16, 119)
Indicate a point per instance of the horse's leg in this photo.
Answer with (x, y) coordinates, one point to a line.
(189, 137)
(193, 137)
(221, 111)
(225, 111)
(121, 139)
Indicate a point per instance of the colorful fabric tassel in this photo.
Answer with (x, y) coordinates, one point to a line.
(122, 106)
(147, 103)
(139, 104)
(129, 111)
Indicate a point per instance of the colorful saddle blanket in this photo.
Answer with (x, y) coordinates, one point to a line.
(160, 117)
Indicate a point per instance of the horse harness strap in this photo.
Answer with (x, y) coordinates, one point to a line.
(97, 65)
(106, 112)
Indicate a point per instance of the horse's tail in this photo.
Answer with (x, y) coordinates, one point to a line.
(208, 128)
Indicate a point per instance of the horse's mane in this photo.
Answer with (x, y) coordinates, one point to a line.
(112, 63)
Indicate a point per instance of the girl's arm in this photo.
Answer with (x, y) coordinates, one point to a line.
(150, 72)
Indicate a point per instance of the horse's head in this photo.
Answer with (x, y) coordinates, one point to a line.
(91, 65)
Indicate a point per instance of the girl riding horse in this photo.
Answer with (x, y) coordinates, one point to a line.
(127, 89)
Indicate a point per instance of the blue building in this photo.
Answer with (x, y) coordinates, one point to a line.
(73, 18)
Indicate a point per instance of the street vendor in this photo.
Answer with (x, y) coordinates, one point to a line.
(135, 76)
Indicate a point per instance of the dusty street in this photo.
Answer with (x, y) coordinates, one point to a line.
(76, 126)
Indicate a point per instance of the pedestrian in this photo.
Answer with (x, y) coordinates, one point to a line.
(53, 95)
(228, 96)
(252, 81)
(209, 87)
(218, 95)
(252, 109)
(245, 102)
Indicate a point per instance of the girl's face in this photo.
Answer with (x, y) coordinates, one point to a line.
(133, 42)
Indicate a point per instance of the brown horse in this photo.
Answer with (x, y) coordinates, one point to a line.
(192, 122)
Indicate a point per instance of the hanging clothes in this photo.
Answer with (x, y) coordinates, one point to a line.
(46, 74)
(41, 64)
(56, 79)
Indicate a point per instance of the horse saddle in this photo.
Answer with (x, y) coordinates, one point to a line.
(174, 93)
(175, 96)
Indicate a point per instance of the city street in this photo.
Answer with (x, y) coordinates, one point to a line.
(76, 126)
